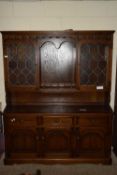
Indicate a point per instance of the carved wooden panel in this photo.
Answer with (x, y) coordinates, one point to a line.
(57, 63)
(92, 142)
(23, 141)
(57, 141)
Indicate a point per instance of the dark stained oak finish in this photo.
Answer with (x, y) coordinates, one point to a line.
(58, 93)
(114, 138)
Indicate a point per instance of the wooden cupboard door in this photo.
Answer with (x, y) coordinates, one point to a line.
(55, 136)
(94, 135)
(21, 143)
(21, 136)
(58, 62)
(57, 142)
(92, 142)
(20, 61)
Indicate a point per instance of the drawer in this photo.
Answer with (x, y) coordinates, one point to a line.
(21, 121)
(92, 121)
(57, 121)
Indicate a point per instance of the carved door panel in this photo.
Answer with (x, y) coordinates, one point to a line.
(57, 142)
(57, 135)
(58, 63)
(20, 61)
(21, 143)
(94, 135)
(92, 142)
(20, 135)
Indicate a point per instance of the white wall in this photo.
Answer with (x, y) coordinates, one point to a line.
(45, 15)
(2, 90)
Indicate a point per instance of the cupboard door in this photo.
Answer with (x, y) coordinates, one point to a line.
(20, 61)
(20, 135)
(57, 142)
(94, 135)
(93, 64)
(95, 58)
(57, 136)
(92, 142)
(21, 143)
(58, 62)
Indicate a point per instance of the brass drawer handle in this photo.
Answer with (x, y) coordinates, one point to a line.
(5, 56)
(12, 120)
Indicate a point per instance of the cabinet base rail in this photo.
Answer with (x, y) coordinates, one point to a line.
(59, 161)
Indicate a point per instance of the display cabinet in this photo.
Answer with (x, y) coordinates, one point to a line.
(57, 94)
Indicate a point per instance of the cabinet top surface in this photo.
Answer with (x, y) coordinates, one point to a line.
(58, 109)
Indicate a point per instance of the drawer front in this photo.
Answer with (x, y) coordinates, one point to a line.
(21, 121)
(57, 121)
(92, 120)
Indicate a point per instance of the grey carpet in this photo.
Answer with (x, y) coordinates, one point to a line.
(74, 169)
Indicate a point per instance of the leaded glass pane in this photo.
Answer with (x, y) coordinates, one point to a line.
(93, 64)
(21, 63)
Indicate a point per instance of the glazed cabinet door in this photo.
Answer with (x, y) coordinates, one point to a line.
(20, 136)
(20, 61)
(94, 60)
